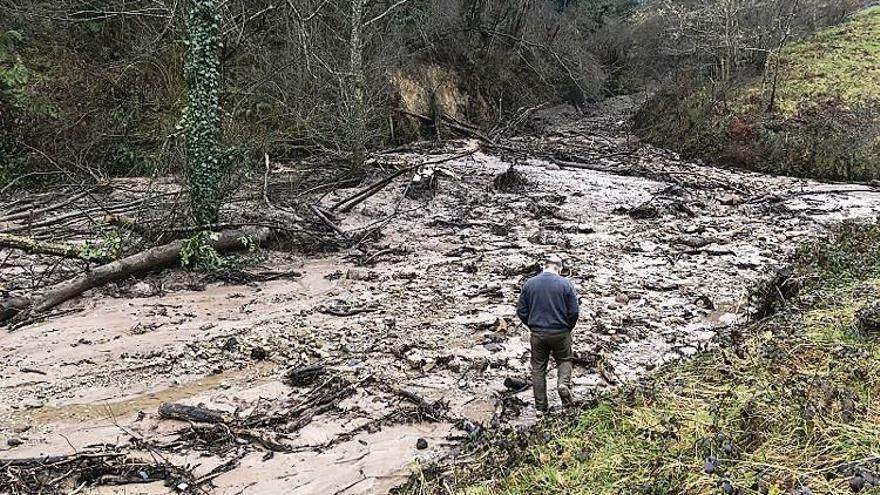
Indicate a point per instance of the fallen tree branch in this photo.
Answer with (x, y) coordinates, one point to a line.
(346, 204)
(193, 414)
(46, 209)
(151, 259)
(64, 250)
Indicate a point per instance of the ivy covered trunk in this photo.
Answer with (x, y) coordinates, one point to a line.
(202, 114)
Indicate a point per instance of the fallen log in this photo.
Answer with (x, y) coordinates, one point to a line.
(151, 259)
(193, 414)
(303, 375)
(64, 250)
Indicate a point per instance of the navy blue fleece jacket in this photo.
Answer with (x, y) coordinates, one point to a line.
(548, 303)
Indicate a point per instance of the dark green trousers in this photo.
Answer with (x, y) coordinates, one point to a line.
(543, 346)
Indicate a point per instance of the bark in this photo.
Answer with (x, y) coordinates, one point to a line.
(192, 414)
(358, 84)
(151, 259)
(63, 250)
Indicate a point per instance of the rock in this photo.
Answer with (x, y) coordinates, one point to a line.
(643, 212)
(421, 444)
(705, 302)
(231, 345)
(415, 359)
(14, 441)
(857, 483)
(31, 403)
(517, 384)
(142, 289)
(686, 351)
(730, 199)
(869, 318)
(361, 275)
(492, 347)
(455, 364)
(259, 354)
(710, 465)
(727, 487)
(621, 298)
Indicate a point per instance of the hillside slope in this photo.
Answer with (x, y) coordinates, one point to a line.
(822, 121)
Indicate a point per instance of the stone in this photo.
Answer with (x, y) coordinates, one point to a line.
(730, 199)
(421, 444)
(492, 347)
(31, 403)
(14, 441)
(415, 359)
(142, 289)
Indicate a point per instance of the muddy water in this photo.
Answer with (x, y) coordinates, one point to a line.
(92, 411)
(434, 315)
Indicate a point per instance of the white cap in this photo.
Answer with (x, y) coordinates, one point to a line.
(553, 258)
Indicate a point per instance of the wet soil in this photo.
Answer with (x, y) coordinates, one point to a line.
(662, 261)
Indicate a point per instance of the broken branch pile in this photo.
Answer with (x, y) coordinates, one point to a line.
(68, 474)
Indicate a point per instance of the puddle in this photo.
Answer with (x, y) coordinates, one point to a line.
(96, 411)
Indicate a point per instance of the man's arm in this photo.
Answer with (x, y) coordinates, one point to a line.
(523, 308)
(572, 307)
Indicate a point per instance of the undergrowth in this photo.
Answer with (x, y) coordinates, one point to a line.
(824, 121)
(786, 406)
(197, 254)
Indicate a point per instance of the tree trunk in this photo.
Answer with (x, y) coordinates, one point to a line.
(358, 84)
(151, 259)
(202, 72)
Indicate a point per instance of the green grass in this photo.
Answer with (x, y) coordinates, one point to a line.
(792, 402)
(825, 122)
(843, 60)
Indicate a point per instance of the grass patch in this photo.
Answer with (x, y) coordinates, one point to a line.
(790, 406)
(842, 60)
(825, 122)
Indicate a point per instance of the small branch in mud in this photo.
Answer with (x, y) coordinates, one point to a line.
(72, 473)
(193, 414)
(431, 411)
(304, 375)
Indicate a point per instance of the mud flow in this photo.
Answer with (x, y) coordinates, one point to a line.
(340, 376)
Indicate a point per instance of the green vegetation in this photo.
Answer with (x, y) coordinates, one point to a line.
(202, 113)
(843, 60)
(197, 254)
(786, 406)
(824, 123)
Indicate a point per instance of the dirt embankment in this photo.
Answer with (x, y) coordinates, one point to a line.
(661, 250)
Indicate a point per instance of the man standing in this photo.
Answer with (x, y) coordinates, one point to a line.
(549, 306)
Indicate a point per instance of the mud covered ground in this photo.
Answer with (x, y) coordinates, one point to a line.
(661, 250)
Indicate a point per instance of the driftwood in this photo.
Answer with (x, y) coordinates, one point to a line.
(346, 204)
(63, 250)
(151, 259)
(303, 375)
(28, 213)
(68, 474)
(192, 414)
